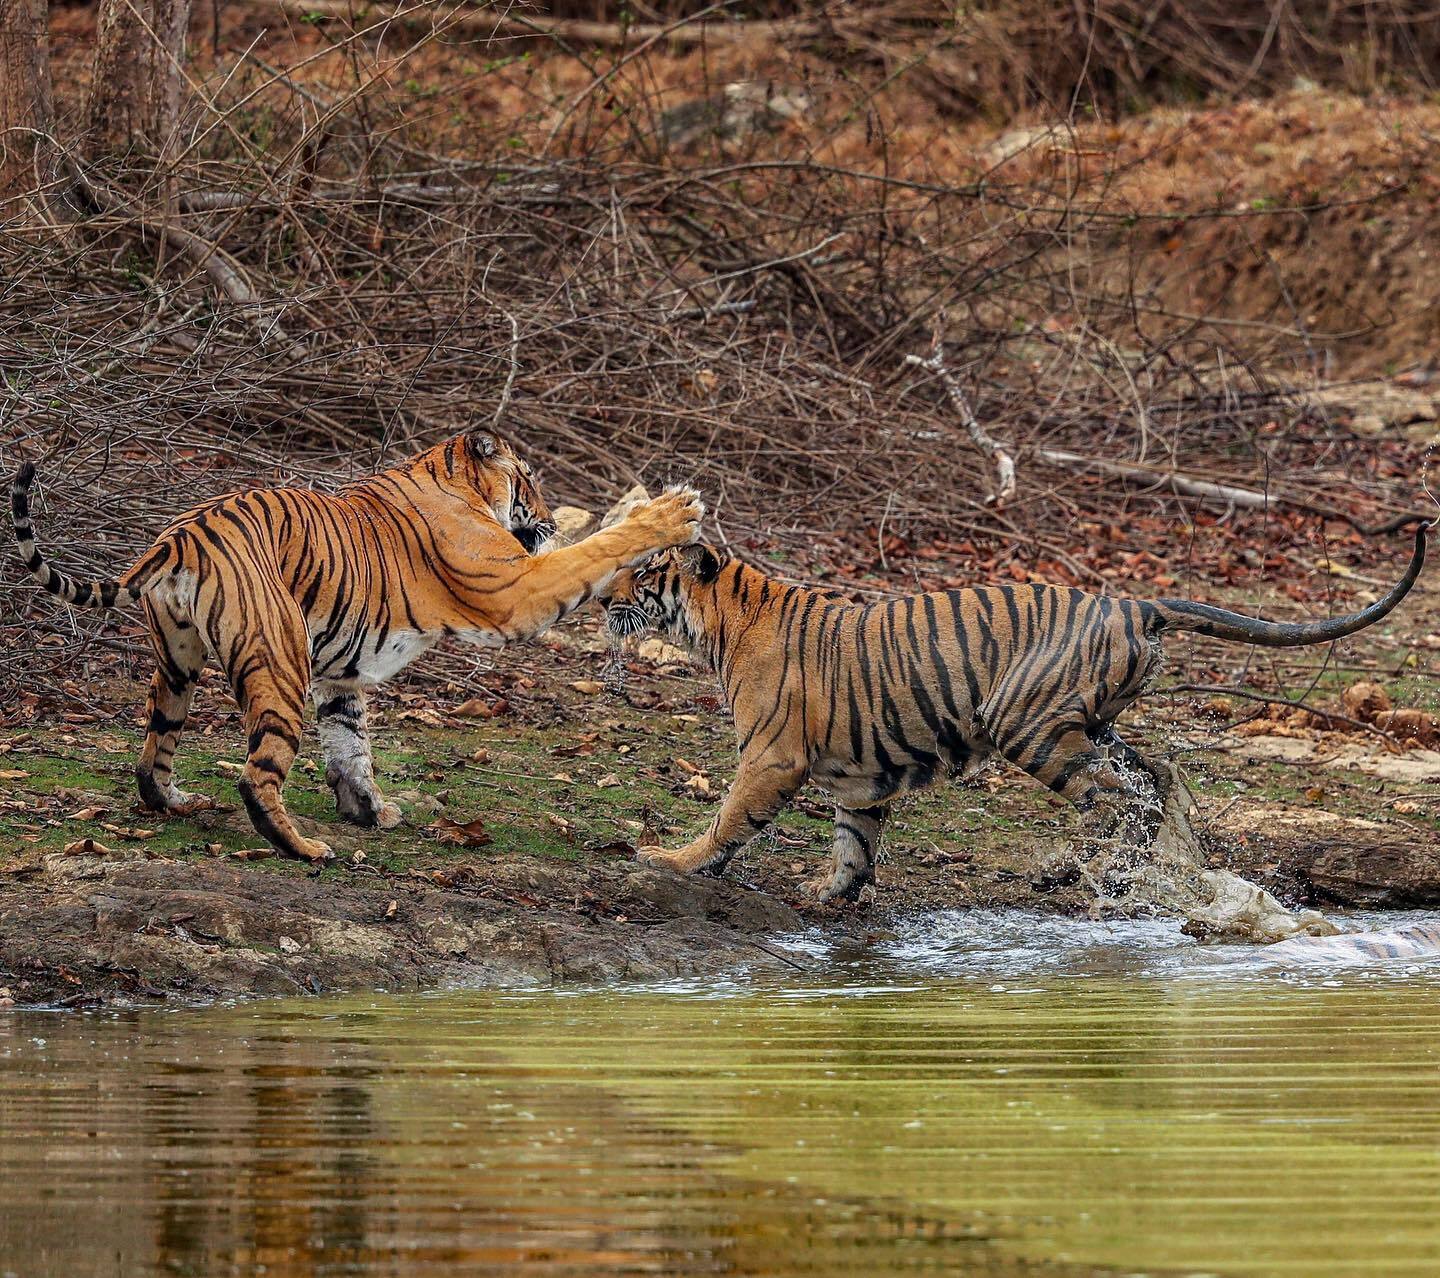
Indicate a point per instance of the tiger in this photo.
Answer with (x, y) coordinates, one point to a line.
(296, 593)
(874, 700)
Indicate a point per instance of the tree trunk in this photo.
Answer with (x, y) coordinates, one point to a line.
(24, 96)
(139, 60)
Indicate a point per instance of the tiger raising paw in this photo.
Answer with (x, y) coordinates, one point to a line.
(298, 593)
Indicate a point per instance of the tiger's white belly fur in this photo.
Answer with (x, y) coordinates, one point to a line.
(396, 651)
(375, 664)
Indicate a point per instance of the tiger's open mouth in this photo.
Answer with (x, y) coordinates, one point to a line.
(534, 536)
(625, 619)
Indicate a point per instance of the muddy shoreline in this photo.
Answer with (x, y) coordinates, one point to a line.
(87, 931)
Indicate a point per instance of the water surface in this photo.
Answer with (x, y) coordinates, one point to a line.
(987, 1094)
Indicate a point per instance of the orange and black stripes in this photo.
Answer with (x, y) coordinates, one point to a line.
(292, 592)
(874, 700)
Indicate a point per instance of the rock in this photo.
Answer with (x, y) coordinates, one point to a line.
(621, 508)
(1015, 142)
(1383, 874)
(571, 524)
(1365, 700)
(660, 652)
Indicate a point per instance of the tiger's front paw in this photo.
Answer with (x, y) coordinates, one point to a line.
(661, 858)
(700, 859)
(671, 519)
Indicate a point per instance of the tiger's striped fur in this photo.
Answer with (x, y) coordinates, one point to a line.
(874, 700)
(296, 592)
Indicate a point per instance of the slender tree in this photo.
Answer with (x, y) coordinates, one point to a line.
(25, 108)
(139, 56)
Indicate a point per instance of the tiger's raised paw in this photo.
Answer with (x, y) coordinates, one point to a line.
(674, 516)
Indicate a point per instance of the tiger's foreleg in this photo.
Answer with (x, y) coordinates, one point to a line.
(555, 583)
(856, 848)
(755, 798)
(349, 764)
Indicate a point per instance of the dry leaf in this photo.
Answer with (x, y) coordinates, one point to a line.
(699, 785)
(127, 831)
(87, 814)
(253, 854)
(86, 847)
(390, 909)
(688, 768)
(608, 782)
(588, 686)
(12, 774)
(470, 834)
(474, 708)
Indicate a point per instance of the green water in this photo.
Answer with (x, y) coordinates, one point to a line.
(1100, 1103)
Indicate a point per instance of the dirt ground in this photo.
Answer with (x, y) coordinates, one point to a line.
(524, 804)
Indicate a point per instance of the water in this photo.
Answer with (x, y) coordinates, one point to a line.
(984, 1094)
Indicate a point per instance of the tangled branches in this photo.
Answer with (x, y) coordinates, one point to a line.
(307, 290)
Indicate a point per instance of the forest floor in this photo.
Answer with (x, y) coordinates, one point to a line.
(524, 806)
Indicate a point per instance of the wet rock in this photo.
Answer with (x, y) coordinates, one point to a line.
(1387, 874)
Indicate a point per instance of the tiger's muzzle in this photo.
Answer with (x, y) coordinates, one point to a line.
(534, 536)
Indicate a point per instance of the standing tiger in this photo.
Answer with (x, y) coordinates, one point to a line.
(874, 700)
(293, 592)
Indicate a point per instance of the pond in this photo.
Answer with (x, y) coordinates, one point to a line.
(987, 1094)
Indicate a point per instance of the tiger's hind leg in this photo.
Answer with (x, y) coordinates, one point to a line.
(349, 765)
(180, 655)
(263, 644)
(856, 847)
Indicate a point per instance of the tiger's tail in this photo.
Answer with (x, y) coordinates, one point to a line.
(101, 592)
(1220, 623)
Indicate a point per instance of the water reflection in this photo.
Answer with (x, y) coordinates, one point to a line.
(996, 1120)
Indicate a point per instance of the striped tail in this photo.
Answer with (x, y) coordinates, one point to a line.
(98, 593)
(1220, 623)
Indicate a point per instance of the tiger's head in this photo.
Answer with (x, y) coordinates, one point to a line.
(510, 488)
(658, 593)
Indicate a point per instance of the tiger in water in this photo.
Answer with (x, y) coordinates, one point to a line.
(874, 700)
(295, 592)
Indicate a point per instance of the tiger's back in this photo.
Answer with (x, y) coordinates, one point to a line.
(881, 699)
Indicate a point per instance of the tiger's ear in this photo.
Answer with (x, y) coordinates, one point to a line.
(482, 445)
(702, 563)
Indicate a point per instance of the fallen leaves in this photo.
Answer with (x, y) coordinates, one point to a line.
(86, 847)
(1364, 700)
(479, 708)
(468, 834)
(128, 831)
(588, 686)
